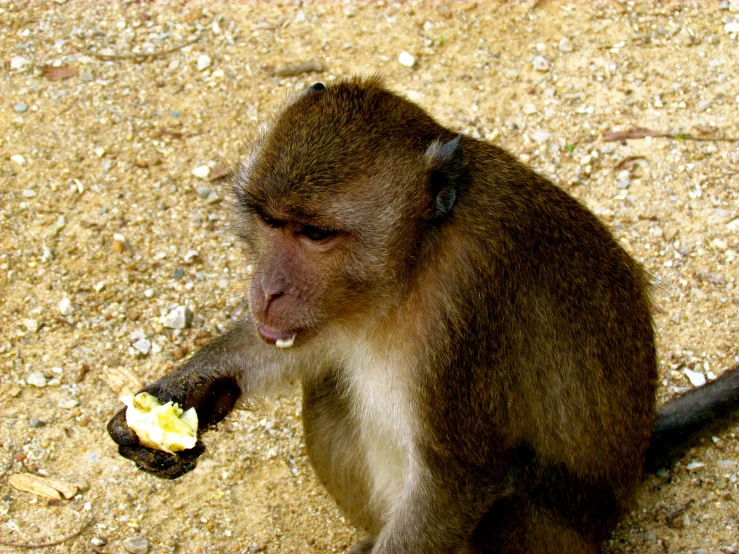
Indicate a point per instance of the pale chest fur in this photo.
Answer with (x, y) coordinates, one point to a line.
(385, 419)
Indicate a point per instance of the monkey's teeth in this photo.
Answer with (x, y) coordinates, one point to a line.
(285, 343)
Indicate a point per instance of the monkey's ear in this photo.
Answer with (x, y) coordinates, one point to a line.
(446, 162)
(316, 87)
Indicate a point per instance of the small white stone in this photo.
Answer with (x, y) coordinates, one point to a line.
(696, 378)
(149, 293)
(68, 403)
(201, 172)
(203, 62)
(540, 136)
(17, 158)
(29, 193)
(541, 63)
(529, 108)
(19, 62)
(692, 466)
(136, 545)
(37, 379)
(65, 306)
(99, 151)
(565, 45)
(406, 59)
(719, 244)
(31, 325)
(143, 346)
(732, 27)
(179, 318)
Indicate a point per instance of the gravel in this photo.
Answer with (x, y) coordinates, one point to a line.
(109, 151)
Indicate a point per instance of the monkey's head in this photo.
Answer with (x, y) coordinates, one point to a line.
(339, 204)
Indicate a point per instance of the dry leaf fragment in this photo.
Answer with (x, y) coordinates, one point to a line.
(218, 171)
(123, 381)
(59, 73)
(42, 486)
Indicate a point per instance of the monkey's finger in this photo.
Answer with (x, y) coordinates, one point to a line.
(174, 472)
(121, 433)
(163, 464)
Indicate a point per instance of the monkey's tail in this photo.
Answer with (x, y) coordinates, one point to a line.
(697, 413)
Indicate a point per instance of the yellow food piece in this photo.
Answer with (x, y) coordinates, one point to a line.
(161, 426)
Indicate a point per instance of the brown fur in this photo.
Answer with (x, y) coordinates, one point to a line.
(476, 349)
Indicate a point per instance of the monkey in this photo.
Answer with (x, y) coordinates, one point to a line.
(476, 350)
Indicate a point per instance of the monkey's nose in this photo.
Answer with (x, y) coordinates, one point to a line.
(271, 291)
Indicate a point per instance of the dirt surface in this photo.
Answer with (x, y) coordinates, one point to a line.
(107, 109)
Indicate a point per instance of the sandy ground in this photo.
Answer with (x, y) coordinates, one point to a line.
(107, 108)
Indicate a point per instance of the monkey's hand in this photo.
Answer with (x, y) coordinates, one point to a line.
(212, 399)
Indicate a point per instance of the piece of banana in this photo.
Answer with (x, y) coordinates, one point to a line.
(161, 426)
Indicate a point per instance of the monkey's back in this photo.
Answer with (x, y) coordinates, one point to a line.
(563, 374)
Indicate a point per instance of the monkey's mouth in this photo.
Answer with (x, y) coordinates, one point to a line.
(281, 338)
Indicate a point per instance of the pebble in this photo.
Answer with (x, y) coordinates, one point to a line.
(136, 545)
(19, 62)
(529, 108)
(203, 62)
(29, 193)
(86, 76)
(178, 274)
(120, 243)
(201, 172)
(36, 379)
(31, 325)
(143, 346)
(97, 541)
(406, 59)
(69, 403)
(624, 184)
(36, 423)
(203, 192)
(541, 63)
(179, 318)
(60, 224)
(696, 378)
(540, 136)
(692, 466)
(17, 158)
(213, 198)
(65, 306)
(565, 45)
(20, 107)
(732, 27)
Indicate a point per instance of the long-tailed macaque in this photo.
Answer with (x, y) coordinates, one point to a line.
(476, 350)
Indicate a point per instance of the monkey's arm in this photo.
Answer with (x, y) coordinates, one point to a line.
(231, 365)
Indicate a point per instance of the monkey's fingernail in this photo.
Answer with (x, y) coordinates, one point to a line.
(169, 462)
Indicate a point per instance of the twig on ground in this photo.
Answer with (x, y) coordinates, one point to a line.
(28, 545)
(142, 56)
(641, 132)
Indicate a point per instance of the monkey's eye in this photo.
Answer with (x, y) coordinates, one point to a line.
(269, 221)
(316, 234)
